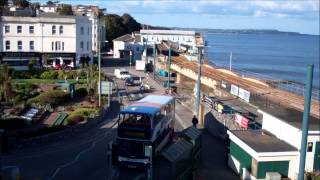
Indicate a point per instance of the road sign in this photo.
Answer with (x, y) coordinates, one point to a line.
(106, 88)
(147, 151)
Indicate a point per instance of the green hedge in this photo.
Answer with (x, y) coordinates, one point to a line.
(85, 112)
(53, 98)
(49, 75)
(81, 92)
(72, 120)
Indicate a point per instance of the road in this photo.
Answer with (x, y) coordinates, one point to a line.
(81, 155)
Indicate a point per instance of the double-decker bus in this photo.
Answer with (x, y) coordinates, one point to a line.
(148, 122)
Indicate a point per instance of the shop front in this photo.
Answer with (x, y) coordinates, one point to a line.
(59, 60)
(21, 60)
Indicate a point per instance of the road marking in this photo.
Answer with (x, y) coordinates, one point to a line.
(79, 154)
(180, 121)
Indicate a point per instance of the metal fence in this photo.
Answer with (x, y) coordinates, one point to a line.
(286, 85)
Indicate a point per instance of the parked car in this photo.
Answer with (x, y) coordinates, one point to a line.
(121, 73)
(130, 81)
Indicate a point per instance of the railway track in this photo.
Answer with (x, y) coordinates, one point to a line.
(282, 97)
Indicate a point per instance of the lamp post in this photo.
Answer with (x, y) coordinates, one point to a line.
(305, 122)
(130, 59)
(99, 61)
(154, 60)
(169, 63)
(198, 82)
(230, 62)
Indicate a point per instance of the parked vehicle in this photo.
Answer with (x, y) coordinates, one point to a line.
(130, 81)
(140, 65)
(121, 73)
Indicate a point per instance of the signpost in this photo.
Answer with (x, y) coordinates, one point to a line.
(106, 89)
(148, 153)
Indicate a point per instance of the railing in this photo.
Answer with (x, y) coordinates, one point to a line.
(286, 85)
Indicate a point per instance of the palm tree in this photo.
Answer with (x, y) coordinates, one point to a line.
(5, 82)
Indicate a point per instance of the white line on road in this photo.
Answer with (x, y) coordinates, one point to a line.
(180, 121)
(78, 155)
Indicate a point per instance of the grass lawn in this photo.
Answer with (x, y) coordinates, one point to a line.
(47, 81)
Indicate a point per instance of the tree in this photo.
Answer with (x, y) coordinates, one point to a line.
(31, 64)
(5, 82)
(21, 3)
(117, 26)
(35, 5)
(130, 23)
(66, 9)
(3, 2)
(52, 2)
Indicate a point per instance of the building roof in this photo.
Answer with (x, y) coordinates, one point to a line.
(45, 17)
(293, 117)
(177, 151)
(262, 141)
(139, 109)
(159, 99)
(125, 38)
(168, 32)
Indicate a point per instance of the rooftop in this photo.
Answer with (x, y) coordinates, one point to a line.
(159, 99)
(44, 17)
(293, 117)
(169, 32)
(125, 38)
(262, 141)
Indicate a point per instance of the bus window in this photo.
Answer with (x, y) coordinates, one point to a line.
(135, 120)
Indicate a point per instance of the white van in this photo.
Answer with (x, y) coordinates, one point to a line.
(121, 73)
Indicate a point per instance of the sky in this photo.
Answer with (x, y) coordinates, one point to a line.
(285, 15)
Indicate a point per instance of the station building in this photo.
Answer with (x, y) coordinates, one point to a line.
(254, 154)
(47, 38)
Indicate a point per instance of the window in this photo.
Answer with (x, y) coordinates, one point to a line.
(7, 29)
(62, 46)
(31, 29)
(31, 45)
(81, 30)
(7, 45)
(19, 45)
(58, 45)
(19, 29)
(61, 30)
(52, 46)
(88, 45)
(53, 29)
(88, 31)
(81, 44)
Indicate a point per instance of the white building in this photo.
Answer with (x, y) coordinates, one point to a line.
(184, 39)
(49, 8)
(126, 44)
(48, 38)
(93, 13)
(289, 130)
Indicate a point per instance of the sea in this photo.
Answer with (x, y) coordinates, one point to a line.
(270, 56)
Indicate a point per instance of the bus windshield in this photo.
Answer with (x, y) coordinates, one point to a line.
(130, 148)
(137, 120)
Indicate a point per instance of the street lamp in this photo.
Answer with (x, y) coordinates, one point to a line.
(199, 80)
(154, 60)
(169, 64)
(130, 58)
(230, 61)
(99, 59)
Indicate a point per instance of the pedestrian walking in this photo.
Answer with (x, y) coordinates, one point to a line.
(195, 121)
